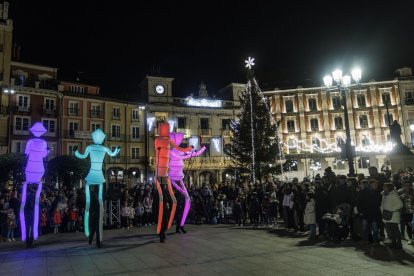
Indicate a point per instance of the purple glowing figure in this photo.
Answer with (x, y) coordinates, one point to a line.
(176, 170)
(36, 150)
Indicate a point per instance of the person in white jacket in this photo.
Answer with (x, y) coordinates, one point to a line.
(392, 202)
(310, 215)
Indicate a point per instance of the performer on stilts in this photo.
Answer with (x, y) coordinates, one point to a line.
(176, 175)
(162, 181)
(95, 177)
(36, 150)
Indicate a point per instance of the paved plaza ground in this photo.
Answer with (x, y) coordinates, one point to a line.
(204, 250)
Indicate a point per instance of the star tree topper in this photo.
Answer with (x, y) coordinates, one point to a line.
(249, 62)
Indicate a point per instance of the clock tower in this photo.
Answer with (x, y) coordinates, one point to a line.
(158, 89)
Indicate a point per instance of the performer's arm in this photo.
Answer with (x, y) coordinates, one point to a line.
(181, 149)
(83, 156)
(195, 153)
(113, 153)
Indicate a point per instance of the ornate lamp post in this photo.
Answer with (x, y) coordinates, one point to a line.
(343, 83)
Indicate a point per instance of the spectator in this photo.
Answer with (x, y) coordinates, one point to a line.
(131, 215)
(11, 224)
(391, 203)
(237, 212)
(57, 220)
(138, 214)
(310, 215)
(407, 212)
(125, 215)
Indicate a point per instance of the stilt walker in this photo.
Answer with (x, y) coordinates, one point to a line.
(95, 177)
(36, 150)
(176, 172)
(162, 155)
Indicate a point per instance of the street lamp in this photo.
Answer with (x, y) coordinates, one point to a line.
(9, 91)
(343, 83)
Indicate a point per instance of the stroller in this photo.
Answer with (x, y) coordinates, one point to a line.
(338, 223)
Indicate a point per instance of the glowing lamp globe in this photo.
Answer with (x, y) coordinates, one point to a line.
(38, 129)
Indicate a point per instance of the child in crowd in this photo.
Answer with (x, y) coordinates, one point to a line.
(125, 215)
(11, 224)
(43, 221)
(138, 214)
(131, 215)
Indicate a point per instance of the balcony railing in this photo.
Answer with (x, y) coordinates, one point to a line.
(205, 131)
(20, 108)
(216, 162)
(116, 116)
(186, 131)
(49, 111)
(96, 113)
(73, 111)
(122, 159)
(76, 134)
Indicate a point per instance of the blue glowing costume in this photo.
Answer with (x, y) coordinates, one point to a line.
(95, 176)
(36, 150)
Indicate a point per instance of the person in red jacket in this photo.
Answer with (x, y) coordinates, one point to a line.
(43, 221)
(57, 219)
(73, 217)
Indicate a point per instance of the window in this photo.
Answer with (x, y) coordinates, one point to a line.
(338, 123)
(181, 122)
(363, 121)
(73, 127)
(204, 123)
(225, 124)
(386, 98)
(96, 111)
(314, 124)
(289, 105)
(76, 89)
(23, 102)
(95, 126)
(363, 163)
(386, 121)
(291, 125)
(135, 115)
(291, 166)
(409, 97)
(336, 102)
(18, 146)
(135, 132)
(365, 141)
(116, 131)
(227, 149)
(312, 104)
(22, 123)
(74, 108)
(72, 148)
(316, 142)
(292, 145)
(207, 151)
(361, 100)
(50, 125)
(49, 104)
(134, 153)
(116, 113)
(183, 145)
(339, 164)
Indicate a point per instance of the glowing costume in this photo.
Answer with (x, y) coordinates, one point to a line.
(36, 150)
(162, 155)
(176, 170)
(95, 176)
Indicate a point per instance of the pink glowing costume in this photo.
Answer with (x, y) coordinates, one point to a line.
(176, 170)
(36, 150)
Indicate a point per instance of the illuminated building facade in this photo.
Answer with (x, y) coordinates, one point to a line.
(204, 120)
(312, 126)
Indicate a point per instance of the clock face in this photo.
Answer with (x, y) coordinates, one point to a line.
(159, 89)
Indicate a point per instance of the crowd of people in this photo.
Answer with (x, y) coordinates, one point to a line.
(379, 206)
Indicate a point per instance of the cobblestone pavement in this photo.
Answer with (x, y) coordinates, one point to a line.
(204, 250)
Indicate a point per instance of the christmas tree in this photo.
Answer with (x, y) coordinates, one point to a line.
(255, 144)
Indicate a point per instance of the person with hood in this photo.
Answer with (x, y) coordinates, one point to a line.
(391, 205)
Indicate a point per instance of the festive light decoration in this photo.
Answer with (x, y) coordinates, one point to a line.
(216, 143)
(172, 123)
(203, 102)
(95, 176)
(162, 156)
(194, 142)
(150, 122)
(36, 150)
(176, 170)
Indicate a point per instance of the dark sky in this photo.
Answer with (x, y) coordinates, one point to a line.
(116, 43)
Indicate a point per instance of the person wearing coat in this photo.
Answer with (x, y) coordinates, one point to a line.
(310, 215)
(391, 202)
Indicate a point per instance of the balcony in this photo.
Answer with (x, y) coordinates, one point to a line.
(73, 111)
(186, 131)
(76, 134)
(139, 138)
(96, 114)
(48, 111)
(115, 137)
(226, 132)
(116, 116)
(115, 160)
(20, 108)
(136, 160)
(198, 163)
(205, 131)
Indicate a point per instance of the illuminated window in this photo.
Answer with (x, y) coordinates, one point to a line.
(363, 163)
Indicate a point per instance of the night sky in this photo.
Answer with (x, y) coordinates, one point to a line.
(115, 44)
